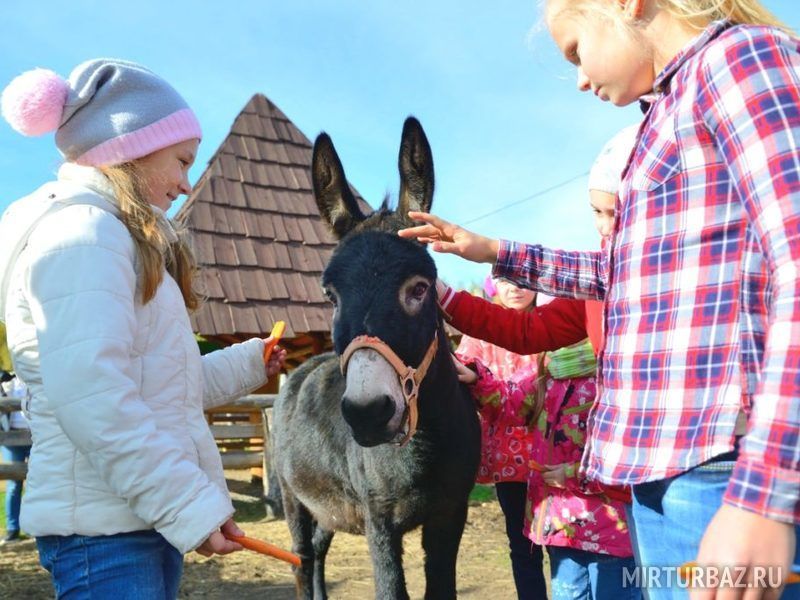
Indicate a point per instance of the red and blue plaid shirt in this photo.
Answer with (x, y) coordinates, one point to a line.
(701, 283)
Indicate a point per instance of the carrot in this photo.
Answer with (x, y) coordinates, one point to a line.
(277, 333)
(536, 466)
(685, 571)
(264, 548)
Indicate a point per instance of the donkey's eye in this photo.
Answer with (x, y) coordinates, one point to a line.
(419, 290)
(413, 293)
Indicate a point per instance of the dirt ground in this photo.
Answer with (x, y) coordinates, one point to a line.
(484, 569)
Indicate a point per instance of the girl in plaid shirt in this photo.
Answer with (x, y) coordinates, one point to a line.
(699, 408)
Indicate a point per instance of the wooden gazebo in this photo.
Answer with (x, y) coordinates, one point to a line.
(258, 236)
(262, 247)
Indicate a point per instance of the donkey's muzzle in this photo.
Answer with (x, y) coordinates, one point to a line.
(369, 420)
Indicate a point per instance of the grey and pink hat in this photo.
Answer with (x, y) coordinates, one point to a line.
(106, 113)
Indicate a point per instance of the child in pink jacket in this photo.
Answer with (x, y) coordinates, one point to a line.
(581, 523)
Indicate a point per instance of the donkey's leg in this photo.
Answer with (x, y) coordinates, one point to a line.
(386, 549)
(321, 543)
(441, 536)
(301, 526)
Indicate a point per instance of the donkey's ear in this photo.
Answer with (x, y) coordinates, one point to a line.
(335, 201)
(416, 170)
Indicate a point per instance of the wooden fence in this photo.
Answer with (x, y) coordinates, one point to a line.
(241, 430)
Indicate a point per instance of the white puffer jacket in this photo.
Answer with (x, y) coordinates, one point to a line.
(117, 388)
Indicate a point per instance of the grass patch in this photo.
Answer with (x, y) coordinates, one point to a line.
(3, 512)
(482, 493)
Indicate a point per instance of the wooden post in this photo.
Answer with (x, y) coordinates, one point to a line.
(273, 501)
(258, 417)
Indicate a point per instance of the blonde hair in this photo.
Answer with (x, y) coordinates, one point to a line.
(700, 13)
(697, 13)
(155, 251)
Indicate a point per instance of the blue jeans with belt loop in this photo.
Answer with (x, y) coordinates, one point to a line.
(140, 565)
(668, 519)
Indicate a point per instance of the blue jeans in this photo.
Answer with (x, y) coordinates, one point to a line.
(13, 487)
(526, 557)
(140, 565)
(669, 517)
(579, 575)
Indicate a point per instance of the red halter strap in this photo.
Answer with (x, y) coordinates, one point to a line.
(410, 378)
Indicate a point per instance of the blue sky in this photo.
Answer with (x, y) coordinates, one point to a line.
(497, 102)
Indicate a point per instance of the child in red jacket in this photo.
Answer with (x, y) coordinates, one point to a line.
(506, 444)
(582, 523)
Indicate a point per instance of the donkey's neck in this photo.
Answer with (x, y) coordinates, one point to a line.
(440, 390)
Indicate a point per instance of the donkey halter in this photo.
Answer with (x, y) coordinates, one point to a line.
(410, 378)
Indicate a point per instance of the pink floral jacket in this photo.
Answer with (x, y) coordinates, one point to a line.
(580, 515)
(505, 444)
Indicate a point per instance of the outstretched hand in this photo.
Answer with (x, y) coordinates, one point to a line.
(451, 239)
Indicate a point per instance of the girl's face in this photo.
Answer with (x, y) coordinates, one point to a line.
(611, 60)
(514, 297)
(604, 208)
(164, 174)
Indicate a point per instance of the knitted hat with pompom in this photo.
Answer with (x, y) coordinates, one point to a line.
(106, 112)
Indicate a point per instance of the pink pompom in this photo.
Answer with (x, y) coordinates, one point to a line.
(34, 102)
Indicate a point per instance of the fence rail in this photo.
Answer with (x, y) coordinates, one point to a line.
(223, 434)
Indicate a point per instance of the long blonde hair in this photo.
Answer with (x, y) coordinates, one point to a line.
(700, 13)
(697, 13)
(155, 251)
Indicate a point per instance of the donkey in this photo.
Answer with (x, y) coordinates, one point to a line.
(382, 438)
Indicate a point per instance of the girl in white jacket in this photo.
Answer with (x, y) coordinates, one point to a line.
(124, 476)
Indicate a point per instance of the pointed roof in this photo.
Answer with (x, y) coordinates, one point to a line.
(257, 232)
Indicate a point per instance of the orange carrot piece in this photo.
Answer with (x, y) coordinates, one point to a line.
(265, 548)
(536, 466)
(277, 333)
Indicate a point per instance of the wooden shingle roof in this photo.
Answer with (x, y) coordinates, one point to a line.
(257, 232)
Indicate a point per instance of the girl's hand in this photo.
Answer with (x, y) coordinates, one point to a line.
(555, 475)
(465, 374)
(739, 537)
(276, 359)
(452, 239)
(217, 543)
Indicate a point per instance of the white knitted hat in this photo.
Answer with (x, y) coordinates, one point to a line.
(607, 168)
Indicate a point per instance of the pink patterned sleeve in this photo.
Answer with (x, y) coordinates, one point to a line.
(514, 398)
(470, 347)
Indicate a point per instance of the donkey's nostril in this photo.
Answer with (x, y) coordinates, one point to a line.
(369, 415)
